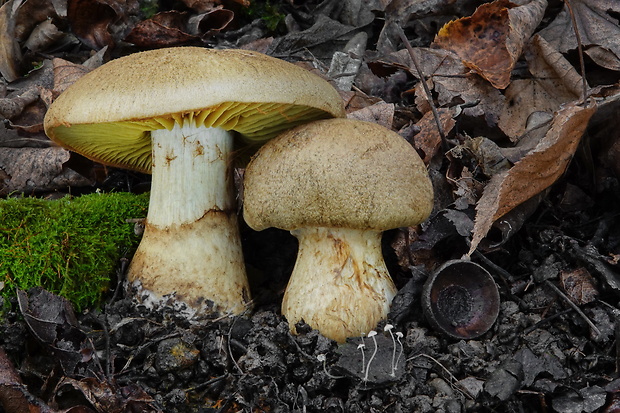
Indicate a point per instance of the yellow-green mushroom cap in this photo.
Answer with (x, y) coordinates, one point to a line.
(108, 114)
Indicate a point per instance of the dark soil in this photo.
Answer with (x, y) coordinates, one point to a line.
(554, 348)
(540, 355)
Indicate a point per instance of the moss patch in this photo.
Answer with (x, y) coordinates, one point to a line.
(70, 247)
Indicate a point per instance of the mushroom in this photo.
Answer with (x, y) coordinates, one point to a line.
(337, 185)
(172, 112)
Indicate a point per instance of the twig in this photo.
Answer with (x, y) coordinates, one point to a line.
(429, 97)
(573, 305)
(582, 65)
(546, 321)
(453, 379)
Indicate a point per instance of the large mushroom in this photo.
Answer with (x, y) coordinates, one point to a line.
(173, 112)
(337, 185)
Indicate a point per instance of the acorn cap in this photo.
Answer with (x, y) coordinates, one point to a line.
(108, 114)
(338, 173)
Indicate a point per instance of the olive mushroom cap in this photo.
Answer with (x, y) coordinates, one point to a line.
(338, 173)
(108, 114)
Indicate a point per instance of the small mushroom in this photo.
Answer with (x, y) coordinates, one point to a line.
(337, 185)
(173, 112)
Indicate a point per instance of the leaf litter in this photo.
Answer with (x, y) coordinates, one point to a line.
(525, 179)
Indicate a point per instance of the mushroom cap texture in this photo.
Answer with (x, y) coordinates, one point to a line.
(338, 173)
(107, 115)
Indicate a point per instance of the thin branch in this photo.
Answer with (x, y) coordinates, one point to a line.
(582, 64)
(574, 306)
(429, 97)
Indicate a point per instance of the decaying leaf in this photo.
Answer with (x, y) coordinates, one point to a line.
(380, 112)
(90, 20)
(492, 39)
(599, 28)
(10, 53)
(428, 140)
(554, 81)
(165, 29)
(210, 22)
(42, 36)
(536, 171)
(30, 170)
(65, 74)
(11, 107)
(579, 285)
(14, 395)
(450, 79)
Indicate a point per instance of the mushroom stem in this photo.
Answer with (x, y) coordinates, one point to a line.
(340, 284)
(191, 244)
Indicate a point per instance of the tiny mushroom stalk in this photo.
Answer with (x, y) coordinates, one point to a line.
(337, 185)
(174, 113)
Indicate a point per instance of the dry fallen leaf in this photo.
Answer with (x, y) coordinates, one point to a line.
(492, 39)
(10, 54)
(164, 29)
(554, 81)
(30, 170)
(65, 74)
(14, 395)
(599, 29)
(538, 170)
(12, 107)
(448, 77)
(381, 113)
(428, 140)
(90, 20)
(579, 285)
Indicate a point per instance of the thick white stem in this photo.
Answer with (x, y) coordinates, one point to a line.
(191, 244)
(340, 284)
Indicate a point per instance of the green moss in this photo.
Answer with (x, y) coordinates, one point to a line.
(269, 13)
(70, 247)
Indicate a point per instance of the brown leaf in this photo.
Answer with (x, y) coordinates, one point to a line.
(597, 22)
(165, 29)
(579, 286)
(10, 54)
(450, 79)
(538, 170)
(492, 39)
(65, 74)
(12, 107)
(380, 112)
(554, 81)
(211, 22)
(90, 20)
(31, 169)
(42, 36)
(14, 396)
(428, 140)
(200, 6)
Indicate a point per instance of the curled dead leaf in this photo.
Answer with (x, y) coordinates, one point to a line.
(554, 81)
(90, 20)
(29, 170)
(579, 285)
(10, 54)
(492, 39)
(165, 29)
(428, 140)
(597, 23)
(538, 170)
